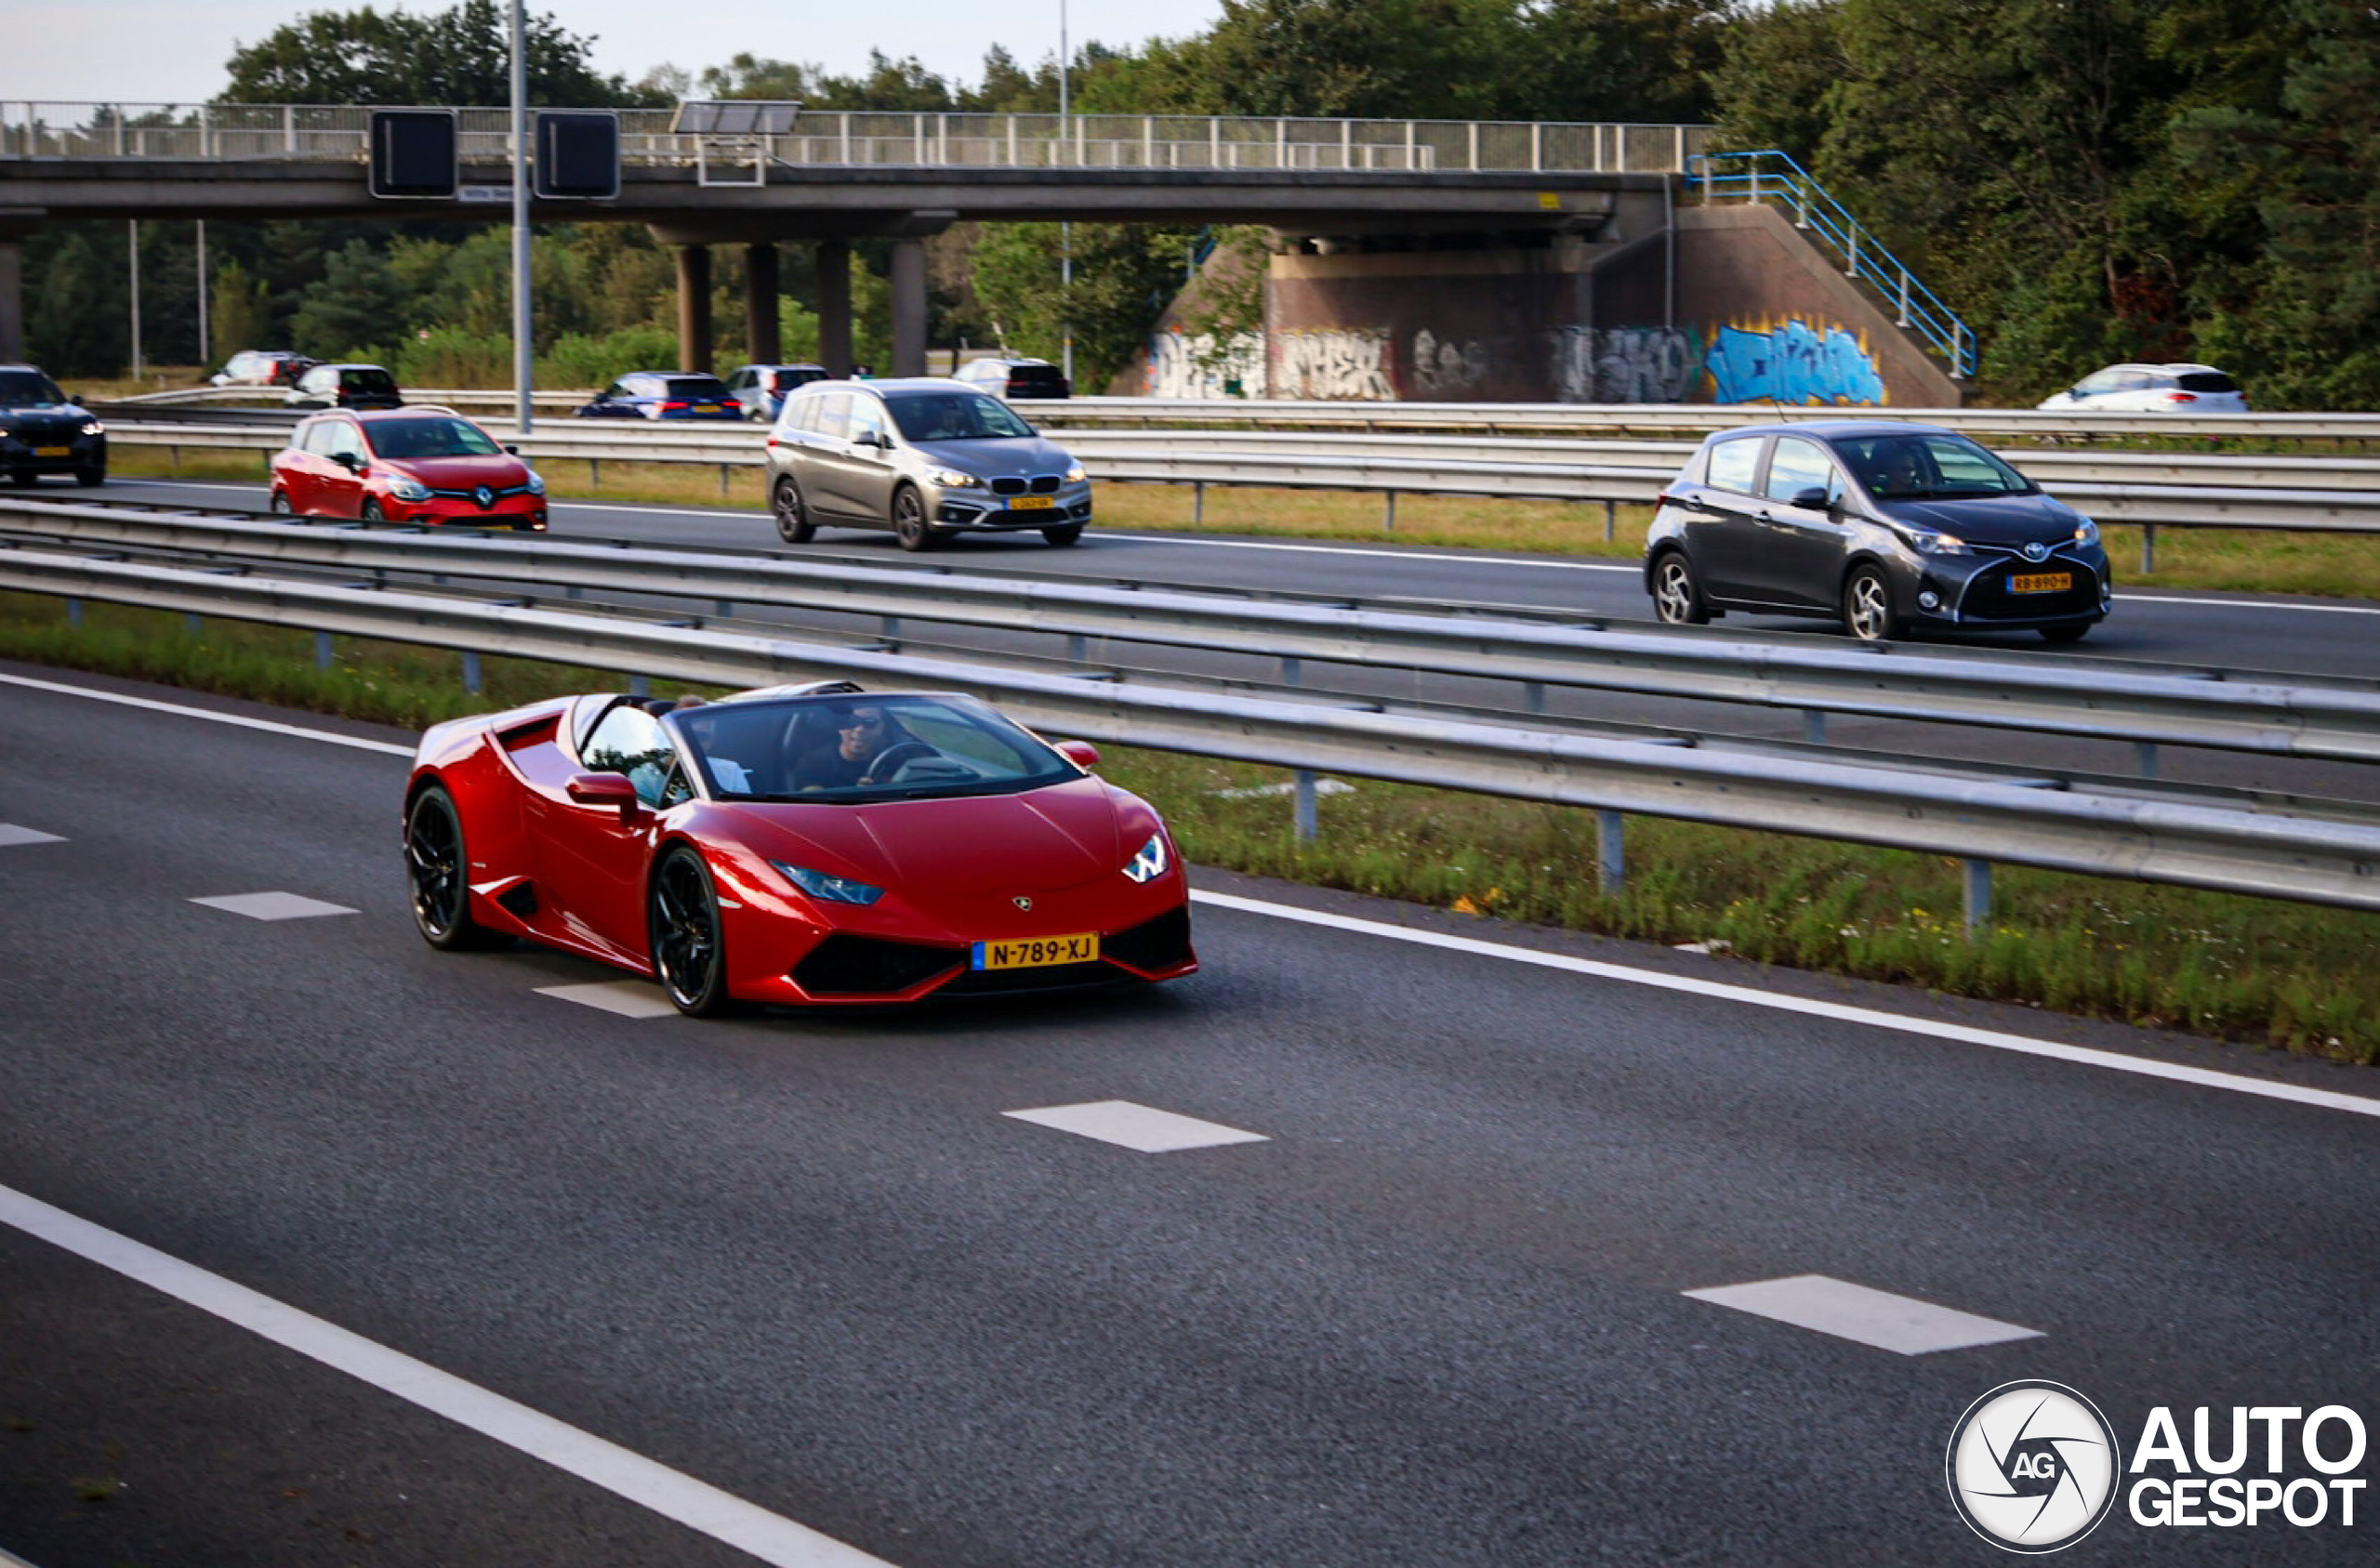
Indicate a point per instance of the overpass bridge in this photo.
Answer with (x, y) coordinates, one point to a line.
(833, 176)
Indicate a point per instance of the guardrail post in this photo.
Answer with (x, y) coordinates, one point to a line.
(1308, 818)
(1978, 877)
(1610, 521)
(194, 624)
(1197, 502)
(640, 688)
(890, 632)
(2148, 549)
(594, 473)
(472, 673)
(1533, 696)
(1904, 298)
(722, 481)
(1611, 851)
(2144, 758)
(323, 657)
(1814, 726)
(1076, 649)
(75, 614)
(1292, 669)
(1388, 514)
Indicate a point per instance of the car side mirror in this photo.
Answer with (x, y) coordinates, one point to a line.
(869, 438)
(348, 461)
(1082, 753)
(1817, 497)
(603, 789)
(512, 449)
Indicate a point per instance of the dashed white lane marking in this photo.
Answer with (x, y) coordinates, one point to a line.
(1900, 1324)
(671, 1494)
(1136, 1127)
(273, 906)
(11, 835)
(2327, 1100)
(1874, 1018)
(629, 998)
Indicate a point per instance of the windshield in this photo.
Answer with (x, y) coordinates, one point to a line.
(432, 438)
(1933, 466)
(29, 388)
(369, 379)
(697, 388)
(956, 415)
(855, 747)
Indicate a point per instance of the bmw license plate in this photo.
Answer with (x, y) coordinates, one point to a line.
(1031, 503)
(2040, 581)
(1037, 952)
(53, 452)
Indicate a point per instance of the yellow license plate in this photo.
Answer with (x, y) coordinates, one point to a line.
(1037, 952)
(53, 452)
(2042, 582)
(706, 408)
(1031, 503)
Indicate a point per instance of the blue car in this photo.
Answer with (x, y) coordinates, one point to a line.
(658, 394)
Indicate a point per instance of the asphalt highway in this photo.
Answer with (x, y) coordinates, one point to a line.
(794, 1287)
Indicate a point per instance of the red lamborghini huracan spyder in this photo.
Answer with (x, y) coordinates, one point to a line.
(797, 845)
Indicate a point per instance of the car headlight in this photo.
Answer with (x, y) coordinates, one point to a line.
(951, 479)
(1926, 542)
(1150, 862)
(405, 489)
(537, 482)
(1077, 474)
(834, 890)
(93, 428)
(2085, 530)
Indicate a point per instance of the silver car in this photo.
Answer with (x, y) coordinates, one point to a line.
(926, 458)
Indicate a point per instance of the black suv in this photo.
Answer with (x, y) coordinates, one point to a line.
(44, 431)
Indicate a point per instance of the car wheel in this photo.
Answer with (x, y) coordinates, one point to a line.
(683, 918)
(2066, 634)
(372, 512)
(792, 512)
(910, 520)
(440, 875)
(21, 476)
(1064, 533)
(279, 503)
(1677, 598)
(1867, 612)
(87, 478)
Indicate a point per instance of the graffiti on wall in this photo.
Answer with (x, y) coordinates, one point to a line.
(1339, 366)
(1197, 366)
(1624, 364)
(1443, 368)
(1789, 362)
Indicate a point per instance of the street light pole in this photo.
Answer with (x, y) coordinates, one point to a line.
(521, 342)
(1066, 230)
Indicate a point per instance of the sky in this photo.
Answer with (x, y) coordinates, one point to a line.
(173, 51)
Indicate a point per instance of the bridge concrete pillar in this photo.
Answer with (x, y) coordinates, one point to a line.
(12, 300)
(834, 306)
(908, 307)
(693, 308)
(760, 323)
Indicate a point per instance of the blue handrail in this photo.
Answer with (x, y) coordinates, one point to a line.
(1770, 174)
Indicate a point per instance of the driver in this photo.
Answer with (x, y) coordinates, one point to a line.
(870, 746)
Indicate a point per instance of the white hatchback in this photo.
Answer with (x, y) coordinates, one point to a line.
(2152, 389)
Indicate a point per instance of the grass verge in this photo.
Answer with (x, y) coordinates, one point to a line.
(2256, 971)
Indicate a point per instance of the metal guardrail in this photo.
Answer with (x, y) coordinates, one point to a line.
(2309, 860)
(2268, 714)
(842, 137)
(1198, 459)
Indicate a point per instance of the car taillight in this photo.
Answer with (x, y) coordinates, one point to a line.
(2181, 397)
(679, 406)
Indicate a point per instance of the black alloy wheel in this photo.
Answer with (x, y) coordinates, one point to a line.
(1867, 612)
(792, 511)
(1064, 533)
(21, 476)
(279, 503)
(372, 512)
(683, 917)
(1677, 598)
(94, 475)
(910, 520)
(440, 875)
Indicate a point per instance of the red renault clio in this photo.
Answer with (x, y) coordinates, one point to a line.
(422, 465)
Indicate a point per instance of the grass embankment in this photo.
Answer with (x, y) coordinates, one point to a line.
(2257, 971)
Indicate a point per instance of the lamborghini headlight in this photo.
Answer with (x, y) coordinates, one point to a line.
(1150, 864)
(834, 890)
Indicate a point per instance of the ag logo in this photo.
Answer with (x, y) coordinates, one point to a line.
(2034, 1467)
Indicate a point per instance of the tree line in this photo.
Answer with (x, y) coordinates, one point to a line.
(2085, 180)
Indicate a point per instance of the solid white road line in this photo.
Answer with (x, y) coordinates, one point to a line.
(1870, 1017)
(672, 1494)
(628, 998)
(13, 834)
(1873, 1018)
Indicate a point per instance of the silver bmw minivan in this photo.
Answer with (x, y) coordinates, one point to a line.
(926, 458)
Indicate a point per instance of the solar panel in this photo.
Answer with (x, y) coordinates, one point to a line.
(735, 116)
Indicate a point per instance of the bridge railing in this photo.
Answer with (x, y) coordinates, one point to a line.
(828, 137)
